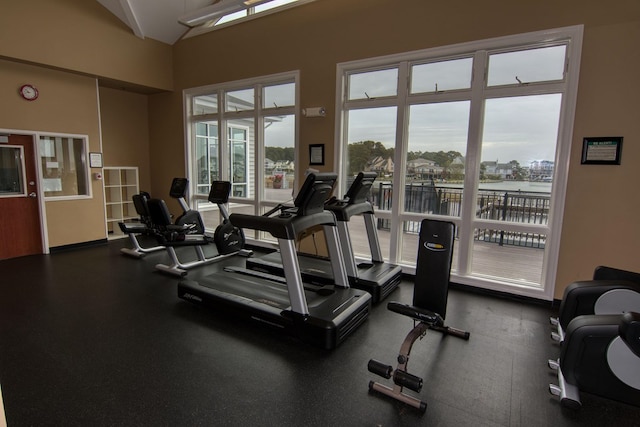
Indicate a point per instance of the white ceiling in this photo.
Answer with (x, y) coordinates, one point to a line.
(155, 19)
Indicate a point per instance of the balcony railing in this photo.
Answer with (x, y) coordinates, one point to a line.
(528, 207)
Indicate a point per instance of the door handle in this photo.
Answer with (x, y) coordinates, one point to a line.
(33, 194)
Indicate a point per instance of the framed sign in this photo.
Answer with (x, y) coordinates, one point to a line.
(95, 160)
(604, 150)
(316, 154)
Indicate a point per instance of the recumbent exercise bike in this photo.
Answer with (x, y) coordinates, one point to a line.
(189, 229)
(598, 329)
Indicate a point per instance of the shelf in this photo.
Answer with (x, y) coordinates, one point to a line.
(120, 185)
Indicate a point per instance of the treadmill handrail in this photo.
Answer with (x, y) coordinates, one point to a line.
(345, 210)
(283, 227)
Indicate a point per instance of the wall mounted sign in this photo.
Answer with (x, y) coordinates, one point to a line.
(95, 160)
(316, 154)
(603, 150)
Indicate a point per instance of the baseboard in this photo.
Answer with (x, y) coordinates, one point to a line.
(82, 245)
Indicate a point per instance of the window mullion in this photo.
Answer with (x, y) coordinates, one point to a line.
(223, 137)
(259, 151)
(472, 163)
(402, 123)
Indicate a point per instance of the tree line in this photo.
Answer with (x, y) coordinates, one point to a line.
(279, 153)
(363, 152)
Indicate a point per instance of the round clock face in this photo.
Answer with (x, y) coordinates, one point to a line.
(29, 92)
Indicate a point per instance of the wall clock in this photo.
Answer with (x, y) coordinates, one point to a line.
(29, 92)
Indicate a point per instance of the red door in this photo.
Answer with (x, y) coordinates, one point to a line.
(20, 230)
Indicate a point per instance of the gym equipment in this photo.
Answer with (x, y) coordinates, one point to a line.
(142, 227)
(431, 288)
(320, 315)
(600, 355)
(190, 217)
(598, 329)
(377, 277)
(229, 240)
(612, 291)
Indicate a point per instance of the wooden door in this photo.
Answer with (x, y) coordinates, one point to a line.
(20, 227)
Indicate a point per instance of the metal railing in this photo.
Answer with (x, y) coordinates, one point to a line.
(502, 205)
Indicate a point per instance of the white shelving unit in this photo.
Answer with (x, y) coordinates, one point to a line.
(120, 184)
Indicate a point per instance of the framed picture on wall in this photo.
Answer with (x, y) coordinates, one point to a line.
(95, 160)
(316, 154)
(602, 150)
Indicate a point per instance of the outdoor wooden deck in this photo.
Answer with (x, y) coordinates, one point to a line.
(520, 264)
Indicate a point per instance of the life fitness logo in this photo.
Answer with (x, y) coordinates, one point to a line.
(435, 247)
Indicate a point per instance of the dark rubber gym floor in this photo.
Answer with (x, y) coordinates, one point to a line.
(92, 338)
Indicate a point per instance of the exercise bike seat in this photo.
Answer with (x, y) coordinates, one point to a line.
(416, 313)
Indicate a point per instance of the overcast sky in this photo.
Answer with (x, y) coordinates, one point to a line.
(518, 128)
(522, 129)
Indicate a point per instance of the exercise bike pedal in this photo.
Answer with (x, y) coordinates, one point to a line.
(245, 252)
(556, 337)
(555, 390)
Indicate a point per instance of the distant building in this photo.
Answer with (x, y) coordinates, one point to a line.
(383, 166)
(501, 170)
(541, 170)
(269, 164)
(284, 166)
(423, 169)
(456, 168)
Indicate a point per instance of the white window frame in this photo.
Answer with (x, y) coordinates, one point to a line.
(478, 94)
(86, 165)
(258, 114)
(202, 29)
(245, 141)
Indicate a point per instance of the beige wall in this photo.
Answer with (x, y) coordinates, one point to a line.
(601, 223)
(167, 149)
(315, 37)
(62, 47)
(68, 104)
(125, 132)
(83, 37)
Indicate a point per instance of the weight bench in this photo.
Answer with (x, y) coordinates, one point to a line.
(428, 309)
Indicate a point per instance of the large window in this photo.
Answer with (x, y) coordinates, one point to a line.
(250, 141)
(476, 134)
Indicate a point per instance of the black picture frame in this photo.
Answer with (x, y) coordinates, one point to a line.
(316, 154)
(95, 160)
(601, 150)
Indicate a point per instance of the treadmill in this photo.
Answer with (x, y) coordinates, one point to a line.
(377, 277)
(321, 315)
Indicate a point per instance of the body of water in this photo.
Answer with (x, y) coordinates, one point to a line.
(538, 187)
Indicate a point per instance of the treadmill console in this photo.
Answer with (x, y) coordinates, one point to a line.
(315, 190)
(360, 188)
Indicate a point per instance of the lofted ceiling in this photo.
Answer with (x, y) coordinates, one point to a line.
(155, 19)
